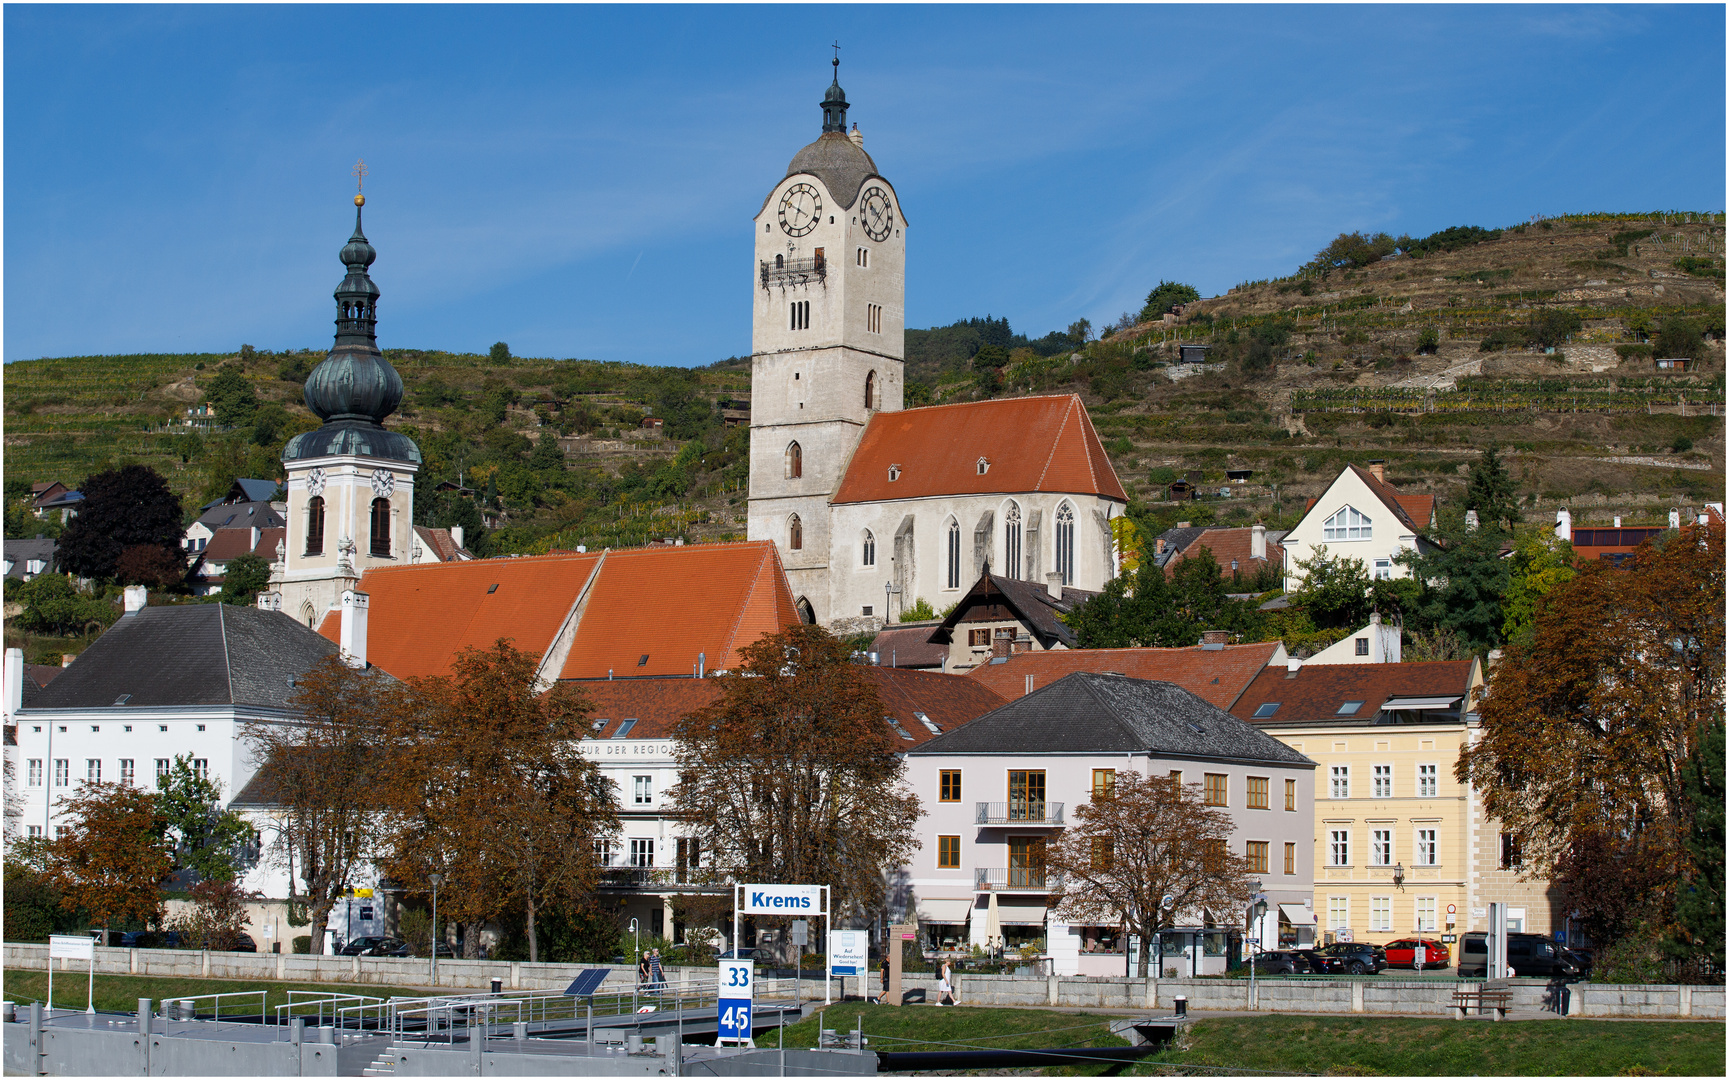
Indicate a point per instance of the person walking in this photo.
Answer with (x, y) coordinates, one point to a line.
(656, 974)
(642, 971)
(882, 998)
(946, 986)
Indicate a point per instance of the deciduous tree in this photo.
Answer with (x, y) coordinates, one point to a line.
(206, 837)
(243, 578)
(53, 605)
(1589, 724)
(1146, 853)
(112, 855)
(791, 775)
(216, 917)
(121, 508)
(1699, 903)
(149, 565)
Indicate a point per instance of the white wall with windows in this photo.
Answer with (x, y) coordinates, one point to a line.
(1349, 520)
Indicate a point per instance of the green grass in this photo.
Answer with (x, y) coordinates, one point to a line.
(120, 993)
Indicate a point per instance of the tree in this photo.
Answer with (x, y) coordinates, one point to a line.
(1165, 296)
(268, 422)
(1553, 328)
(1589, 725)
(548, 456)
(1145, 852)
(1464, 579)
(217, 916)
(792, 776)
(1680, 337)
(321, 775)
(147, 564)
(205, 836)
(232, 395)
(1353, 249)
(243, 578)
(33, 910)
(499, 353)
(112, 855)
(918, 611)
(490, 788)
(1699, 903)
(53, 605)
(1489, 491)
(122, 508)
(1334, 592)
(990, 358)
(1540, 561)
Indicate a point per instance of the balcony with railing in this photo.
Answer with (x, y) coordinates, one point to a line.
(666, 878)
(784, 271)
(1020, 812)
(1017, 879)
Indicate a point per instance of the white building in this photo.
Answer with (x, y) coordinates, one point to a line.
(999, 790)
(1360, 516)
(871, 505)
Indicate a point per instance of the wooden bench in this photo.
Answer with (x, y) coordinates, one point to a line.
(1495, 995)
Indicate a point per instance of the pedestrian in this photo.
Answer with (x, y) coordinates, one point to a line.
(946, 986)
(656, 974)
(642, 971)
(882, 998)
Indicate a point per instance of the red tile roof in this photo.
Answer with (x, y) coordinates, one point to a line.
(671, 603)
(909, 646)
(231, 543)
(1031, 444)
(947, 700)
(657, 705)
(1313, 694)
(1227, 545)
(668, 603)
(1216, 675)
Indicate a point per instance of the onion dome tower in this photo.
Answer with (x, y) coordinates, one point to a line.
(351, 481)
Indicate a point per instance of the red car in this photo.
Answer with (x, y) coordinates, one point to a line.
(1403, 953)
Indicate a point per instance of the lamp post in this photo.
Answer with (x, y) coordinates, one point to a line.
(889, 591)
(1257, 917)
(436, 880)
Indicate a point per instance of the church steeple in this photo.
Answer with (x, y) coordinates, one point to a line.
(834, 104)
(357, 296)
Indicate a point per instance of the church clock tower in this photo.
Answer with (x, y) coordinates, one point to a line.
(827, 341)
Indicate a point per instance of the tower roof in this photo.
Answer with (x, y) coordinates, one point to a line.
(839, 162)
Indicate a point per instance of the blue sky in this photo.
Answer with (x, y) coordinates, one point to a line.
(579, 181)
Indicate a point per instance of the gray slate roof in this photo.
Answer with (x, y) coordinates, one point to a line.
(20, 552)
(1088, 712)
(242, 515)
(1032, 603)
(194, 654)
(838, 162)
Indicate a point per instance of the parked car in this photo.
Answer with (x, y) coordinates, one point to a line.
(243, 943)
(1581, 959)
(1356, 957)
(138, 939)
(361, 946)
(1282, 962)
(739, 954)
(398, 947)
(1316, 964)
(1527, 954)
(1403, 953)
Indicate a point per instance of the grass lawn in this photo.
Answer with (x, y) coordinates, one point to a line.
(120, 993)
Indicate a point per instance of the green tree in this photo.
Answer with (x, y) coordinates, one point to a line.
(918, 611)
(1680, 337)
(1553, 328)
(122, 508)
(1540, 561)
(268, 422)
(1150, 609)
(1464, 581)
(243, 578)
(990, 358)
(1335, 591)
(1490, 492)
(1353, 249)
(1165, 296)
(1699, 900)
(231, 392)
(206, 837)
(1429, 341)
(499, 353)
(53, 605)
(547, 456)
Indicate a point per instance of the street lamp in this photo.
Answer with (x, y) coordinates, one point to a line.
(636, 942)
(436, 880)
(889, 591)
(1399, 875)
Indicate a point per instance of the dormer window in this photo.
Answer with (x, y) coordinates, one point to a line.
(984, 465)
(1348, 524)
(894, 473)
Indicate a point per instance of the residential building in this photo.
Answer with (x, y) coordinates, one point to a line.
(998, 791)
(1212, 670)
(223, 515)
(1000, 616)
(1241, 552)
(1400, 844)
(909, 645)
(53, 497)
(1360, 516)
(1376, 643)
(858, 492)
(26, 559)
(210, 563)
(438, 545)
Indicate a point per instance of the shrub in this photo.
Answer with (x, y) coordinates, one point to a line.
(1681, 445)
(1505, 337)
(1633, 352)
(303, 943)
(1429, 341)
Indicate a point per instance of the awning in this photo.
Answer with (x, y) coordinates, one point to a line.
(1018, 911)
(949, 912)
(1297, 915)
(1420, 703)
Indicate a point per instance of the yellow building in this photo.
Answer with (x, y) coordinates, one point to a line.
(1400, 845)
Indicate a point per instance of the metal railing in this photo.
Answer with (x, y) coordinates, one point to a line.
(1016, 878)
(320, 1006)
(186, 1007)
(784, 271)
(1020, 812)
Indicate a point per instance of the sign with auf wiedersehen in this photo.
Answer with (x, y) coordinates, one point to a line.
(848, 952)
(782, 900)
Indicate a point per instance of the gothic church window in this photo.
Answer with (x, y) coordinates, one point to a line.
(794, 534)
(1012, 540)
(954, 554)
(868, 550)
(794, 462)
(315, 525)
(870, 391)
(1066, 543)
(381, 527)
(800, 317)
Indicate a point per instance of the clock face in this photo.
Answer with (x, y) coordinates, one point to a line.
(877, 213)
(799, 209)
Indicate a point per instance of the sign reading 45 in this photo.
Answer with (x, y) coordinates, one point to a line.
(734, 1020)
(737, 989)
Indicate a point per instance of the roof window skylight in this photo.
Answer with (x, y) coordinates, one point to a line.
(1266, 709)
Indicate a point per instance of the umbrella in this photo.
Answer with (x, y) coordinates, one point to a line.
(993, 925)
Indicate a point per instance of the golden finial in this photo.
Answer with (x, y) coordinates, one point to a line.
(359, 181)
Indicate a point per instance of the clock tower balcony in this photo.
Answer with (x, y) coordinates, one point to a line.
(784, 272)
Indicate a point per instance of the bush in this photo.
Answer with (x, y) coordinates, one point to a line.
(1506, 337)
(1681, 445)
(1633, 352)
(1429, 341)
(303, 943)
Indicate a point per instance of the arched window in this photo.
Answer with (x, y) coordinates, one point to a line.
(868, 549)
(954, 554)
(794, 461)
(315, 525)
(1012, 540)
(794, 534)
(1348, 524)
(870, 391)
(1066, 543)
(381, 527)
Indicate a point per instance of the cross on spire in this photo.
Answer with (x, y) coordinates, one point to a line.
(837, 54)
(359, 175)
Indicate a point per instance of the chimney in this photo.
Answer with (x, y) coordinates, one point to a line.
(1183, 525)
(1471, 520)
(701, 664)
(1674, 519)
(257, 534)
(456, 535)
(1002, 646)
(1029, 688)
(857, 139)
(66, 658)
(1564, 523)
(353, 637)
(1293, 664)
(1054, 584)
(135, 599)
(1378, 469)
(1159, 546)
(1215, 638)
(1258, 541)
(1617, 521)
(14, 682)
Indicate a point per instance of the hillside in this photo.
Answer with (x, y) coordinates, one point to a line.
(1420, 359)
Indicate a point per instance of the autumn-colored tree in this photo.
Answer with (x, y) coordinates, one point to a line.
(216, 917)
(1589, 724)
(791, 776)
(1146, 853)
(112, 855)
(489, 787)
(321, 774)
(151, 565)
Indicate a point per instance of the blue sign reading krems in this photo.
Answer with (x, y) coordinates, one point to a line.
(781, 899)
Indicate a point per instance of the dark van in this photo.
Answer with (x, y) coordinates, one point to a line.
(1527, 954)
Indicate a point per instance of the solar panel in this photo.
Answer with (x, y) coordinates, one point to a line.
(586, 983)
